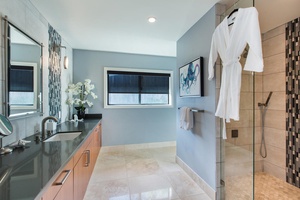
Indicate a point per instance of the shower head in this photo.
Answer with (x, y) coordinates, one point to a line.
(267, 102)
(268, 99)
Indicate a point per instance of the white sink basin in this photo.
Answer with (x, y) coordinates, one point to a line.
(63, 136)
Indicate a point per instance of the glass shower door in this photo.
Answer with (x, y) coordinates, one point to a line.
(237, 151)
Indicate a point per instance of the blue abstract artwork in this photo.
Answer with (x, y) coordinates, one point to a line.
(190, 79)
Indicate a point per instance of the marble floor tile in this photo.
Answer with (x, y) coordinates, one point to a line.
(131, 154)
(141, 174)
(109, 172)
(168, 164)
(184, 186)
(117, 190)
(142, 167)
(151, 187)
(197, 197)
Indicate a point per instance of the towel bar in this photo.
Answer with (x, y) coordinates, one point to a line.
(195, 110)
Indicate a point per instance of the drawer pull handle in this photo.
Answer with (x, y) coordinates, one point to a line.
(65, 178)
(87, 163)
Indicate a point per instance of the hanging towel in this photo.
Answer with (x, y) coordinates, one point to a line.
(186, 118)
(182, 117)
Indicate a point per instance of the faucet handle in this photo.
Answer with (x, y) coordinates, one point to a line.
(37, 138)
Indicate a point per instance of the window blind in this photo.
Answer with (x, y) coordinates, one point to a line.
(21, 79)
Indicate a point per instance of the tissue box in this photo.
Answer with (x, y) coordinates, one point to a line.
(51, 126)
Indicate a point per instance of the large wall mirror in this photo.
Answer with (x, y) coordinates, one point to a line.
(23, 73)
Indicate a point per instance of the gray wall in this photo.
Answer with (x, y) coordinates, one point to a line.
(197, 148)
(126, 125)
(26, 17)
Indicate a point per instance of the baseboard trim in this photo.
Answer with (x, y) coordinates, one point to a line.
(200, 182)
(138, 146)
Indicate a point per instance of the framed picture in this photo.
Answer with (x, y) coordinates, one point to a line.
(191, 79)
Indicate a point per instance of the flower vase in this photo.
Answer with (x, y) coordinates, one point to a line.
(80, 112)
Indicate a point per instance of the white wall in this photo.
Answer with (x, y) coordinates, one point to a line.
(26, 17)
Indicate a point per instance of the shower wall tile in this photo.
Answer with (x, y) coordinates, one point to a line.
(257, 135)
(274, 170)
(258, 157)
(274, 45)
(244, 139)
(245, 120)
(246, 86)
(273, 79)
(275, 137)
(275, 119)
(274, 64)
(258, 83)
(257, 118)
(276, 156)
(259, 166)
(274, 32)
(274, 82)
(277, 101)
(258, 99)
(246, 102)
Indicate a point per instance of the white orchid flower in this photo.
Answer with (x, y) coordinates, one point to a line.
(80, 92)
(94, 95)
(90, 104)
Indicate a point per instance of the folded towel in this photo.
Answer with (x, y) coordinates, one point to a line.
(186, 118)
(189, 119)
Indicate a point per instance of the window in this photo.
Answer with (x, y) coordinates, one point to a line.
(137, 88)
(22, 84)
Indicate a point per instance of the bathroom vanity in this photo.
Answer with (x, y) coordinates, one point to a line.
(52, 170)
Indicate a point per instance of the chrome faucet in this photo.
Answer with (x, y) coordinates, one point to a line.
(43, 125)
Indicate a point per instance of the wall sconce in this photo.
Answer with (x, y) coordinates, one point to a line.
(66, 59)
(66, 62)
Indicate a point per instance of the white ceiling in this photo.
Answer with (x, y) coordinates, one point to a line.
(122, 26)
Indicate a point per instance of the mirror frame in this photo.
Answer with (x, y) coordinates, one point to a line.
(7, 60)
(6, 127)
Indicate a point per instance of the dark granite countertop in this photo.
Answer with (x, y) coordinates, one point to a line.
(26, 171)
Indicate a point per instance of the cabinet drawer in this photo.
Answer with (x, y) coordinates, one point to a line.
(81, 150)
(59, 181)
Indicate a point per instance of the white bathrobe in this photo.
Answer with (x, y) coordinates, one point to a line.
(229, 42)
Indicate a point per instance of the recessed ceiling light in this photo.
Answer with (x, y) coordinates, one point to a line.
(151, 19)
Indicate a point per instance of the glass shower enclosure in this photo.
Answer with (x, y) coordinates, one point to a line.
(237, 152)
(260, 157)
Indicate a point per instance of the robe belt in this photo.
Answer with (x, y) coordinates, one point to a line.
(231, 62)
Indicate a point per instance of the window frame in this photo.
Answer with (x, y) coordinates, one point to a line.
(171, 88)
(35, 80)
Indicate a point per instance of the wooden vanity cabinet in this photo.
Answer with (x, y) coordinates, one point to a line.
(62, 187)
(66, 192)
(83, 169)
(82, 165)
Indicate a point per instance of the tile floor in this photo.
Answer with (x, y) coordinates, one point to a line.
(267, 187)
(140, 174)
(239, 181)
